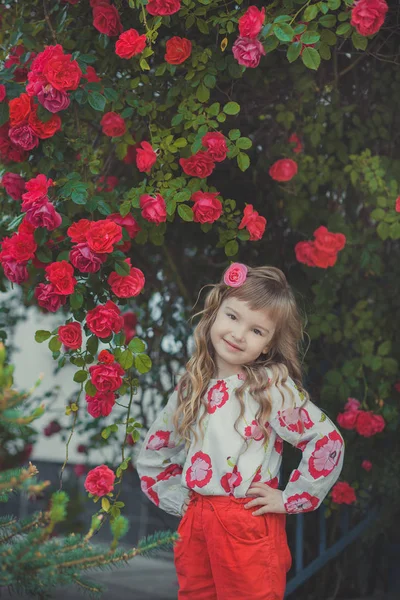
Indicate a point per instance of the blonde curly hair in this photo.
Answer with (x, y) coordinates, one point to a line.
(264, 288)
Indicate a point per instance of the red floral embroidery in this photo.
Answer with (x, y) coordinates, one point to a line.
(254, 431)
(278, 445)
(257, 476)
(217, 396)
(295, 475)
(170, 471)
(200, 473)
(301, 503)
(273, 483)
(302, 445)
(295, 419)
(231, 480)
(146, 484)
(159, 439)
(326, 455)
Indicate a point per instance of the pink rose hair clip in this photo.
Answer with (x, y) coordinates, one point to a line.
(235, 275)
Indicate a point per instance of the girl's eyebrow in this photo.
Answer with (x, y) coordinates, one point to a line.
(236, 313)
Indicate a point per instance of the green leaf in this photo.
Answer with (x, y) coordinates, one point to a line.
(80, 376)
(202, 93)
(185, 212)
(41, 335)
(90, 389)
(126, 359)
(111, 94)
(76, 300)
(144, 65)
(92, 344)
(284, 32)
(325, 51)
(231, 248)
(344, 29)
(143, 363)
(244, 143)
(328, 37)
(234, 134)
(105, 434)
(310, 13)
(243, 161)
(122, 268)
(55, 344)
(105, 504)
(4, 113)
(328, 20)
(385, 348)
(136, 345)
(282, 19)
(359, 41)
(311, 58)
(310, 37)
(293, 52)
(334, 4)
(97, 101)
(231, 108)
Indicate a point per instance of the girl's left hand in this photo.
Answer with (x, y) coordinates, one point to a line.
(270, 499)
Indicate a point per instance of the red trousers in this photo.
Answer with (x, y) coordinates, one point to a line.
(226, 553)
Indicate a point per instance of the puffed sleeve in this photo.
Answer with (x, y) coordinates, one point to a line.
(160, 462)
(308, 428)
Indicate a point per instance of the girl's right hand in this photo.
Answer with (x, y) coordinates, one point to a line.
(185, 506)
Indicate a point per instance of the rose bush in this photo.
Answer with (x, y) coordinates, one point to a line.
(150, 159)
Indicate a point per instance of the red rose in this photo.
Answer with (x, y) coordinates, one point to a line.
(103, 235)
(294, 139)
(70, 335)
(41, 129)
(101, 404)
(130, 43)
(43, 57)
(254, 223)
(37, 189)
(3, 92)
(127, 286)
(20, 109)
(347, 420)
(128, 222)
(323, 259)
(248, 51)
(369, 424)
(177, 50)
(106, 357)
(130, 322)
(397, 205)
(44, 215)
(77, 231)
(163, 8)
(106, 378)
(13, 270)
(215, 143)
(106, 19)
(9, 152)
(62, 72)
(52, 428)
(283, 170)
(250, 24)
(91, 75)
(367, 16)
(79, 469)
(21, 247)
(61, 275)
(14, 185)
(199, 165)
(86, 261)
(145, 157)
(110, 183)
(153, 209)
(25, 227)
(328, 242)
(207, 208)
(48, 297)
(113, 124)
(343, 493)
(24, 137)
(366, 465)
(100, 481)
(103, 320)
(130, 157)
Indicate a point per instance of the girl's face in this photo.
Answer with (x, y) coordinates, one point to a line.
(239, 335)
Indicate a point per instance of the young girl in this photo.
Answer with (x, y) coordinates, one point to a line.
(213, 454)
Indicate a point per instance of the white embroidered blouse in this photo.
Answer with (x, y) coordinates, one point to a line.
(221, 465)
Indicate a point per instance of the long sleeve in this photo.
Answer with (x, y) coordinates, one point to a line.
(160, 462)
(308, 428)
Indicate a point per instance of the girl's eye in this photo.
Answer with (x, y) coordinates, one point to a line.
(230, 315)
(258, 331)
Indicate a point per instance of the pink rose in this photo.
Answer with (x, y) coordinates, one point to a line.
(100, 481)
(14, 185)
(85, 260)
(367, 16)
(53, 100)
(48, 298)
(3, 92)
(397, 205)
(248, 51)
(235, 275)
(23, 137)
(352, 404)
(14, 271)
(153, 209)
(44, 215)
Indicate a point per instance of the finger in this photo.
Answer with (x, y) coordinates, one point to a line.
(255, 502)
(261, 511)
